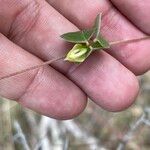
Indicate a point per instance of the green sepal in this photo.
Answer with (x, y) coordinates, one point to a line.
(78, 53)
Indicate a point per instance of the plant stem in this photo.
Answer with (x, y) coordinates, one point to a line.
(129, 41)
(59, 58)
(31, 68)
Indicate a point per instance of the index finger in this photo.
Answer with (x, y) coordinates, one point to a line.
(43, 90)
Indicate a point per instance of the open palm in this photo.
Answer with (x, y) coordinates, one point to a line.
(30, 33)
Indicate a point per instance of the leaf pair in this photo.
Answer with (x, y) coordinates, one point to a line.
(84, 35)
(89, 39)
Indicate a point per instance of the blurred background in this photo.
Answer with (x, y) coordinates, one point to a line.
(94, 129)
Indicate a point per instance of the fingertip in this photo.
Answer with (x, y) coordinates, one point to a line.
(72, 108)
(123, 98)
(62, 109)
(53, 95)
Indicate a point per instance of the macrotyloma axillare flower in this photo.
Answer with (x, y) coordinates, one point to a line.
(86, 41)
(78, 53)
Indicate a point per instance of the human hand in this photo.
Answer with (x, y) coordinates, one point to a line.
(58, 91)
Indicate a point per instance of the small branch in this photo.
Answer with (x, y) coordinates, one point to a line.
(31, 68)
(82, 135)
(20, 137)
(143, 120)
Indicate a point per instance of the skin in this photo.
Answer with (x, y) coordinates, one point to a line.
(30, 31)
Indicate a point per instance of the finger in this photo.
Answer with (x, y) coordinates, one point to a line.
(106, 81)
(114, 27)
(137, 11)
(43, 90)
(43, 40)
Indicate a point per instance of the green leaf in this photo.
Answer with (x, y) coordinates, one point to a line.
(74, 37)
(87, 34)
(78, 53)
(104, 43)
(96, 45)
(78, 37)
(100, 43)
(97, 25)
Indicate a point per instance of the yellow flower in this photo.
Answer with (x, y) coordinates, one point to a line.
(78, 53)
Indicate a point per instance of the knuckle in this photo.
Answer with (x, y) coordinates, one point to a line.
(24, 20)
(34, 84)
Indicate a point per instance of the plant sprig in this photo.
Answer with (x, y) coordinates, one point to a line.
(86, 41)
